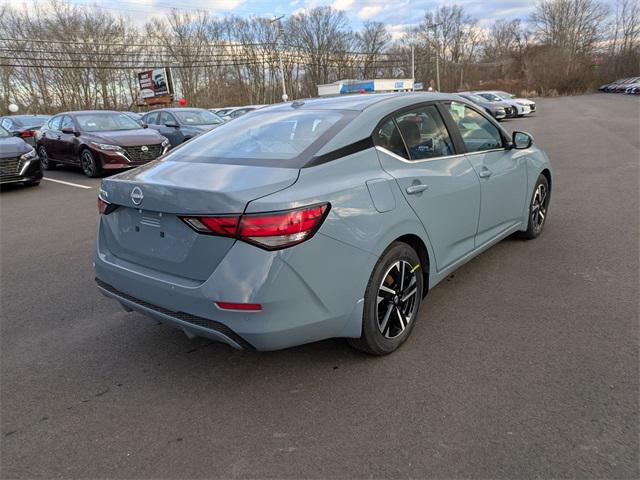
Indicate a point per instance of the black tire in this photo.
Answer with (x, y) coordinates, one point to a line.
(45, 162)
(90, 166)
(383, 328)
(538, 209)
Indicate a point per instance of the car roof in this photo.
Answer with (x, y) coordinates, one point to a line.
(82, 112)
(360, 101)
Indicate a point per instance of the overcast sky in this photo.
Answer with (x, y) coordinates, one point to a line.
(397, 14)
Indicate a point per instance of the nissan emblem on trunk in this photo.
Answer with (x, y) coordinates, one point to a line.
(144, 148)
(136, 195)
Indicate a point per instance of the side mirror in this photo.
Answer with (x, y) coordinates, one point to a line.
(521, 140)
(171, 124)
(68, 131)
(144, 125)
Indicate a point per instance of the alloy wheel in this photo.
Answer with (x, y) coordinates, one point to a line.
(396, 302)
(44, 159)
(539, 207)
(88, 164)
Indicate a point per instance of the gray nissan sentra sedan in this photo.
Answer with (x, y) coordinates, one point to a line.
(317, 219)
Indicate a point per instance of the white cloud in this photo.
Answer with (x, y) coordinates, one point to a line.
(369, 11)
(342, 4)
(225, 5)
(399, 30)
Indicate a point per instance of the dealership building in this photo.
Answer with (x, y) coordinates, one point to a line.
(342, 87)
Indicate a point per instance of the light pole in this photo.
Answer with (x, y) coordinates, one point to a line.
(433, 26)
(413, 66)
(285, 97)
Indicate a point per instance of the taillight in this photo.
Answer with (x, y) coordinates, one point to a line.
(104, 207)
(271, 231)
(28, 134)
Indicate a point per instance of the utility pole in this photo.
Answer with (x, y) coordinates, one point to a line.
(413, 66)
(280, 33)
(433, 26)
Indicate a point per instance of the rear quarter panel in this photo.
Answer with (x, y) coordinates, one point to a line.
(337, 263)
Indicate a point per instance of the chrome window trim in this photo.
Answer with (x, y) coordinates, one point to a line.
(402, 159)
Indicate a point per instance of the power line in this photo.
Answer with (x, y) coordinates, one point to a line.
(139, 65)
(219, 43)
(222, 43)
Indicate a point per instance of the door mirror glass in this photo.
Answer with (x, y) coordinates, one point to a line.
(521, 140)
(68, 130)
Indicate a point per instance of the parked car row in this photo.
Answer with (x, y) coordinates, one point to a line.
(629, 85)
(100, 140)
(499, 104)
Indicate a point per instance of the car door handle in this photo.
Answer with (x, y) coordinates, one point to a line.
(485, 173)
(418, 188)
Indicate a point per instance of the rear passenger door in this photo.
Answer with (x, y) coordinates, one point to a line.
(501, 171)
(416, 148)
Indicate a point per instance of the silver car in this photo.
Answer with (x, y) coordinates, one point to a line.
(316, 219)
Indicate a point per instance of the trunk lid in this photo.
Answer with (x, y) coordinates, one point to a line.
(146, 229)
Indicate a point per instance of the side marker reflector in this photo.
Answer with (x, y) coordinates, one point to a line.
(243, 307)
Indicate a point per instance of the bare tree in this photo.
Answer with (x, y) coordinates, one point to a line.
(573, 27)
(319, 36)
(372, 40)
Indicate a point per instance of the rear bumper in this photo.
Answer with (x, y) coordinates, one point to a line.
(310, 292)
(192, 325)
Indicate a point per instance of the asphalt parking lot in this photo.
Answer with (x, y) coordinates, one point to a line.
(523, 364)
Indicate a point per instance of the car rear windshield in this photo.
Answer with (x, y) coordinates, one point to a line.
(106, 122)
(279, 138)
(197, 117)
(31, 121)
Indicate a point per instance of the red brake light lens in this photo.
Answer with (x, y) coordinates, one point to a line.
(271, 231)
(244, 307)
(284, 229)
(28, 134)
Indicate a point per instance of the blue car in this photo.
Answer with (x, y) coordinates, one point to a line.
(317, 219)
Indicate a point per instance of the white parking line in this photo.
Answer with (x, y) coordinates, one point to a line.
(66, 183)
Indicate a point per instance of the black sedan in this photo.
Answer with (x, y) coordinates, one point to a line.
(19, 162)
(24, 126)
(498, 110)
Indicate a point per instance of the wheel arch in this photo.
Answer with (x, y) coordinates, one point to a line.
(415, 242)
(547, 174)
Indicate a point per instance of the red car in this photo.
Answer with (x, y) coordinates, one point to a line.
(97, 141)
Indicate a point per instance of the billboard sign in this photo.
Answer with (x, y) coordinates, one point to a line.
(155, 83)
